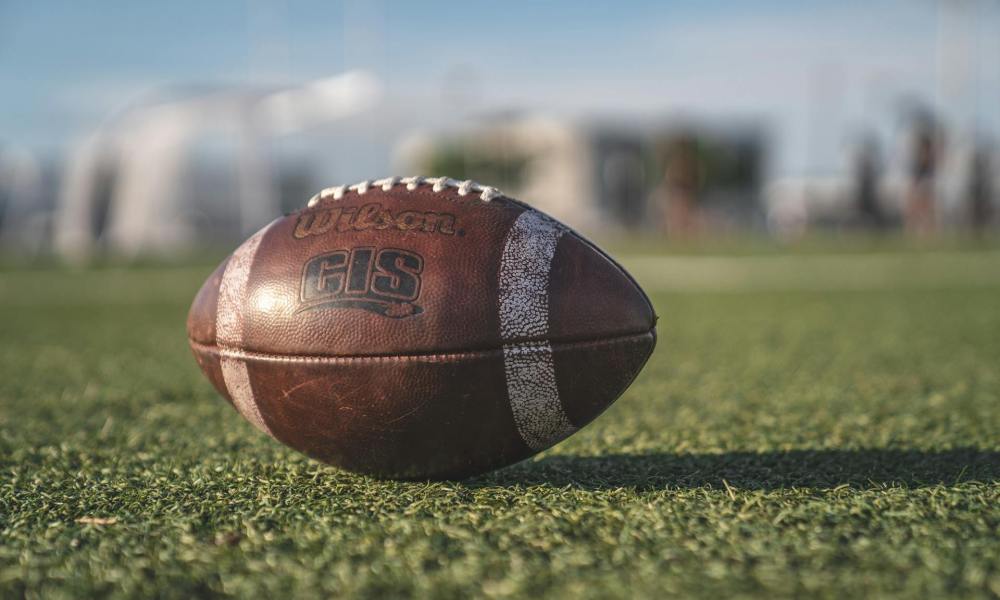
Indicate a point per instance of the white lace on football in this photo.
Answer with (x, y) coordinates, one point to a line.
(486, 193)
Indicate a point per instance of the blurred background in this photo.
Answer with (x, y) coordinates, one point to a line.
(162, 129)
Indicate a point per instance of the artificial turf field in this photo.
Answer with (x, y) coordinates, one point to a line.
(810, 424)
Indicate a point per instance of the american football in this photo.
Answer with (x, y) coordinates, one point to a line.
(420, 328)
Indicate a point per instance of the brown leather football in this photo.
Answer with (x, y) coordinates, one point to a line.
(420, 328)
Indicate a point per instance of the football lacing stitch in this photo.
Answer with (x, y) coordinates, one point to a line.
(486, 193)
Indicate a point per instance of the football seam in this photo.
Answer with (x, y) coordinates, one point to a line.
(526, 346)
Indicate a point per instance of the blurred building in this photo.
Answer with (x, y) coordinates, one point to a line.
(194, 169)
(600, 175)
(27, 190)
(927, 181)
(208, 167)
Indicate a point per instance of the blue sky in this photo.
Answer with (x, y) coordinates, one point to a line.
(816, 73)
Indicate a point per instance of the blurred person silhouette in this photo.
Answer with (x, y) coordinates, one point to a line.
(681, 185)
(867, 173)
(925, 149)
(980, 192)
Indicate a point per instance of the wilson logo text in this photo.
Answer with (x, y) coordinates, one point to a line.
(371, 216)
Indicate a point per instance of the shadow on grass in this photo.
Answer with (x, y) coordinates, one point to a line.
(859, 469)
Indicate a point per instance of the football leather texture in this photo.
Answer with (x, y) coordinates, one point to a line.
(420, 331)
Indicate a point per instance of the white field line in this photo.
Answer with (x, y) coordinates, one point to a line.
(656, 273)
(815, 272)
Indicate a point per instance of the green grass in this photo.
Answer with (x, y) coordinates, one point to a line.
(798, 432)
